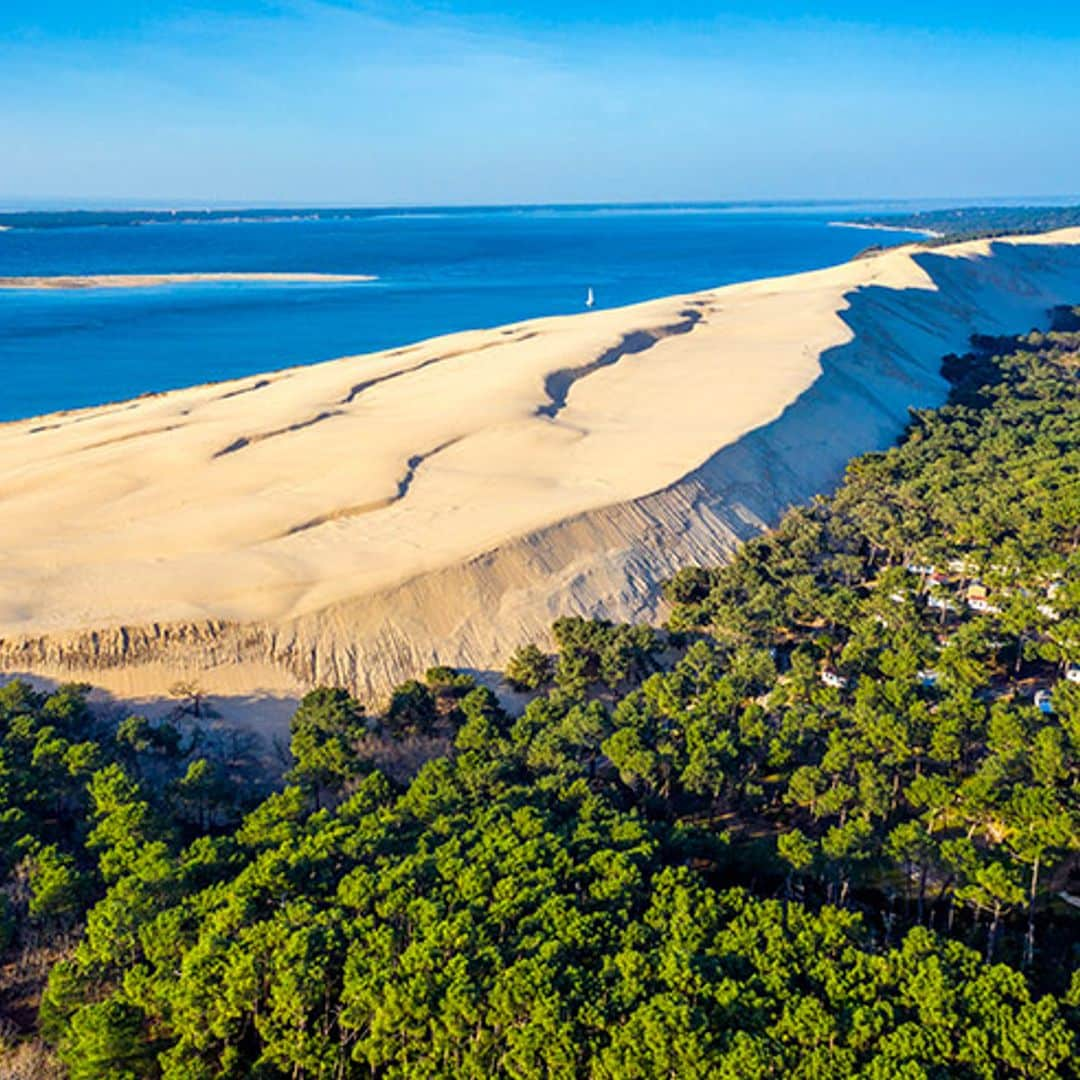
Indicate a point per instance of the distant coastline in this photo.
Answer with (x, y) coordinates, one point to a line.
(140, 281)
(977, 222)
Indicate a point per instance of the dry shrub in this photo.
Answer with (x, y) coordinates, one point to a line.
(30, 1060)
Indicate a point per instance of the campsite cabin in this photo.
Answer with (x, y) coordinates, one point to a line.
(978, 597)
(940, 603)
(919, 568)
(962, 566)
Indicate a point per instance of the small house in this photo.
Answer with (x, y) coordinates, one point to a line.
(919, 568)
(833, 678)
(940, 603)
(962, 566)
(978, 598)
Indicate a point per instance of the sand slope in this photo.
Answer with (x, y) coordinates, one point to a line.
(357, 520)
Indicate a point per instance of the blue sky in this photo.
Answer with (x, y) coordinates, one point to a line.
(459, 101)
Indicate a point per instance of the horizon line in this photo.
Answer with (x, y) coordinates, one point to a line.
(60, 204)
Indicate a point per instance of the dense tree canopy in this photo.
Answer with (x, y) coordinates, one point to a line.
(824, 824)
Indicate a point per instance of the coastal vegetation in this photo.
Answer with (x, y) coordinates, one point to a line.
(977, 222)
(822, 824)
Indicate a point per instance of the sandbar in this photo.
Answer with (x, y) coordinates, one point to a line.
(141, 281)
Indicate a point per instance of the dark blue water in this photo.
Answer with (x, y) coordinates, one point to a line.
(437, 273)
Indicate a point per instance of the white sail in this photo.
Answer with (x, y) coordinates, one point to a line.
(590, 299)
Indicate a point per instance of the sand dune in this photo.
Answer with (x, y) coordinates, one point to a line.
(357, 520)
(142, 281)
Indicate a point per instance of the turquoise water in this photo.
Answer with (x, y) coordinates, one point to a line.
(438, 271)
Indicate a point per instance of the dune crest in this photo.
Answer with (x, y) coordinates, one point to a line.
(358, 520)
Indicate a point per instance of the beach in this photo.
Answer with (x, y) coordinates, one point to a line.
(358, 520)
(874, 227)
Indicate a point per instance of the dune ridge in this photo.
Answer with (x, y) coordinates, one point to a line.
(358, 520)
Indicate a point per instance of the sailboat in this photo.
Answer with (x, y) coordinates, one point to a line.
(590, 299)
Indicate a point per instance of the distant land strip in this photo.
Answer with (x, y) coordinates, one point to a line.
(976, 222)
(138, 281)
(933, 233)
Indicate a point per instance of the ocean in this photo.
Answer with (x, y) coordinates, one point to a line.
(437, 271)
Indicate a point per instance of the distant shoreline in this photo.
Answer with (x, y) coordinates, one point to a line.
(886, 228)
(139, 281)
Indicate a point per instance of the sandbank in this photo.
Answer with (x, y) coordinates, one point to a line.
(142, 281)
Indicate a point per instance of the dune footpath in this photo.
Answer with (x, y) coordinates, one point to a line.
(359, 520)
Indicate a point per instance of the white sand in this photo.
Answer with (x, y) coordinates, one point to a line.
(142, 281)
(886, 228)
(356, 520)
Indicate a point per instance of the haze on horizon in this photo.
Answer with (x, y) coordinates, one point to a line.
(462, 101)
